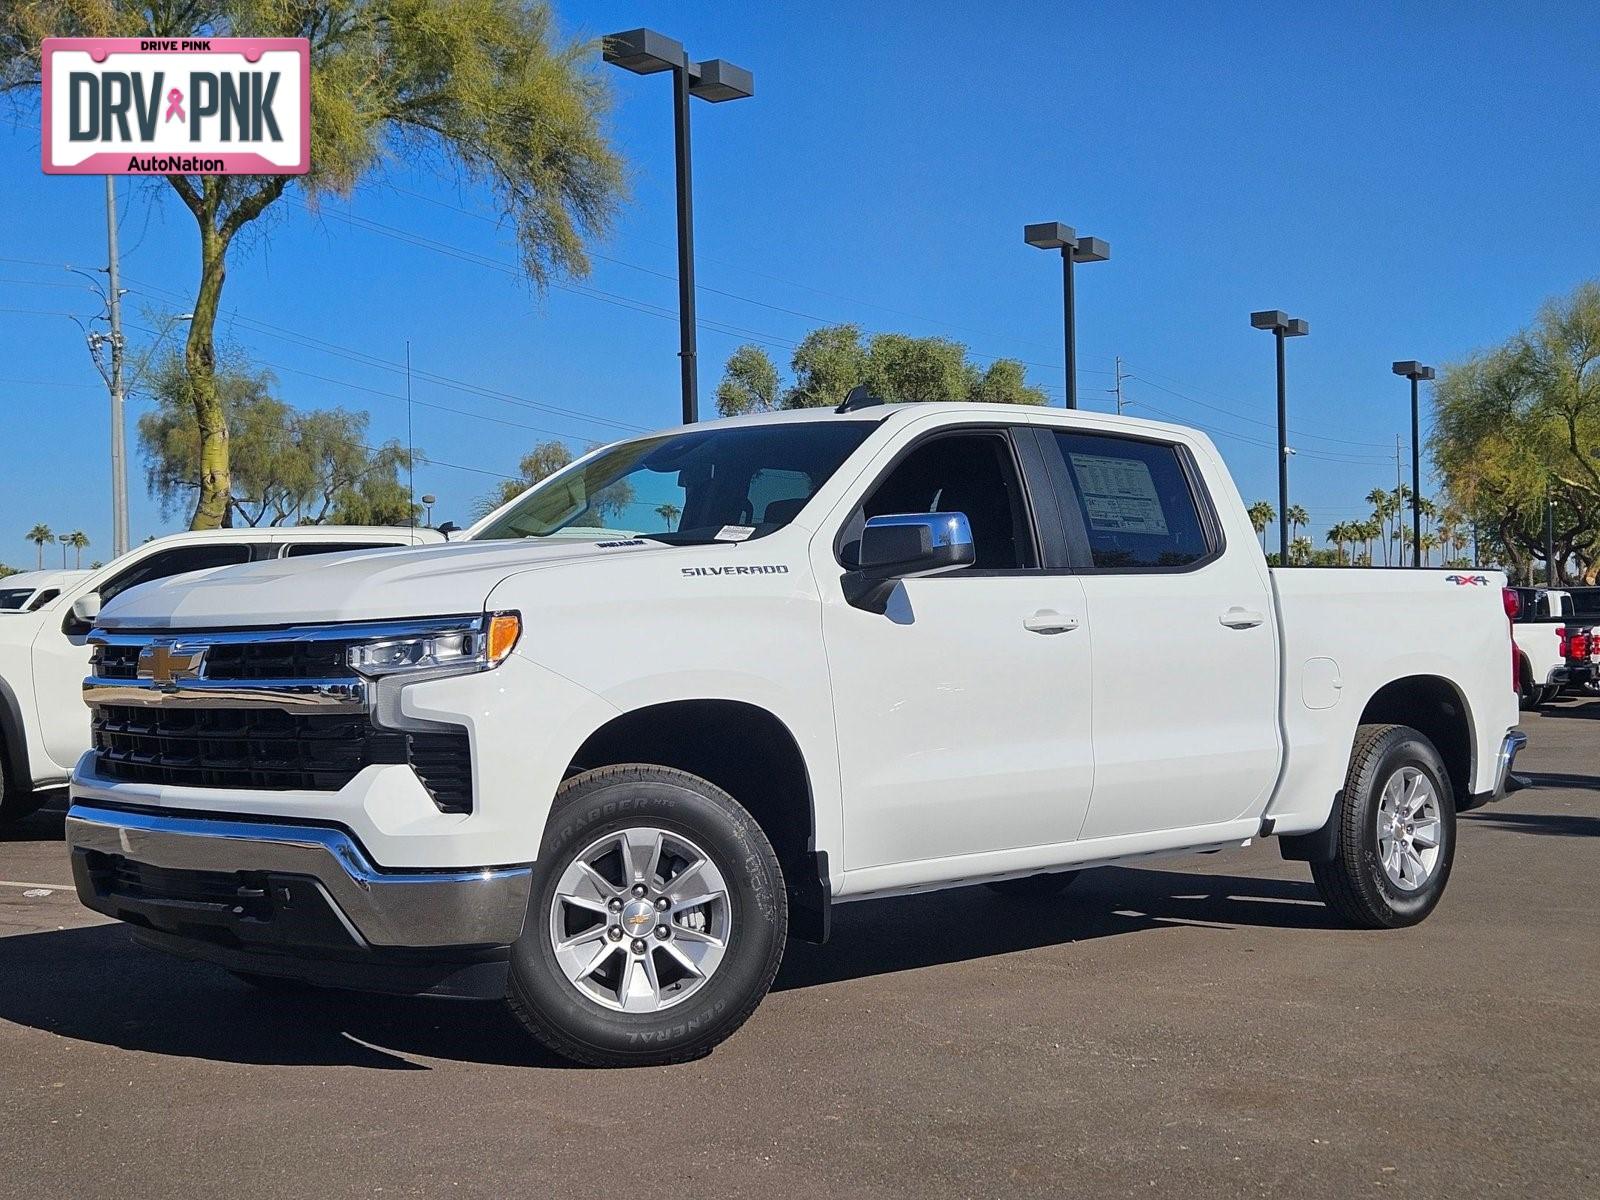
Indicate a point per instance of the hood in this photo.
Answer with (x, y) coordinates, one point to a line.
(373, 585)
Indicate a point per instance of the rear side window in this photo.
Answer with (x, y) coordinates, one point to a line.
(1138, 508)
(300, 549)
(177, 561)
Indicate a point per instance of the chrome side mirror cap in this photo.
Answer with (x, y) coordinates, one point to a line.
(907, 546)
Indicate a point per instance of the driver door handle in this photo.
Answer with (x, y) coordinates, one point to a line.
(1048, 620)
(1242, 618)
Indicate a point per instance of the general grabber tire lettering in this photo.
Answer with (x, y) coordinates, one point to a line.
(1397, 836)
(656, 922)
(1034, 887)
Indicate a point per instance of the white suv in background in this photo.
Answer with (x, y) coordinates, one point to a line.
(44, 727)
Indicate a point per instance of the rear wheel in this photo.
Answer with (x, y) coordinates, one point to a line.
(1529, 694)
(1397, 834)
(17, 800)
(656, 923)
(1034, 887)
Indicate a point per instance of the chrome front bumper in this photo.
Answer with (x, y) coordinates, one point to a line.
(172, 873)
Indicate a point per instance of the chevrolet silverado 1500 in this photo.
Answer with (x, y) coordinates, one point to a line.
(679, 699)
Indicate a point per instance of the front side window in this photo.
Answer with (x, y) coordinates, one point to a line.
(970, 473)
(699, 486)
(14, 599)
(1137, 505)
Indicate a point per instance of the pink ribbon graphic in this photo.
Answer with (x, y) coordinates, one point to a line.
(175, 105)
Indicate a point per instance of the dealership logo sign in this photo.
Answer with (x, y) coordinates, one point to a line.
(177, 106)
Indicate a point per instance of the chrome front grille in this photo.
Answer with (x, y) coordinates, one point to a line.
(270, 710)
(308, 659)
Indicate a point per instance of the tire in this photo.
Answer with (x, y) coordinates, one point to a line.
(1528, 693)
(606, 1002)
(1034, 887)
(1356, 883)
(1548, 695)
(17, 801)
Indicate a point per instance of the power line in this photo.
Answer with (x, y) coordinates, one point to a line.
(855, 300)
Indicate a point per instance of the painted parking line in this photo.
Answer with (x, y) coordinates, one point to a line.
(53, 887)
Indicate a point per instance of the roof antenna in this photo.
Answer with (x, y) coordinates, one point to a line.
(859, 397)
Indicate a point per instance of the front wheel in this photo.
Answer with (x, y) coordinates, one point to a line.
(656, 923)
(1397, 834)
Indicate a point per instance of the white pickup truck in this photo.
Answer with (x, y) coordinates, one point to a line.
(43, 639)
(682, 697)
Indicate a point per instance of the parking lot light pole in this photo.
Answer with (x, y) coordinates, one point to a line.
(1413, 370)
(646, 52)
(1053, 235)
(1282, 326)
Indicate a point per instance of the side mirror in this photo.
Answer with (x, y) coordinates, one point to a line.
(85, 611)
(904, 546)
(447, 529)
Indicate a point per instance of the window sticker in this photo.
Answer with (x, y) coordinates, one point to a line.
(1119, 495)
(734, 533)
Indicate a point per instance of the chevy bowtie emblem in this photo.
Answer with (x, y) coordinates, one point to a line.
(165, 663)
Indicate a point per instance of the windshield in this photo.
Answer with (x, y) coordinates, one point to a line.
(705, 485)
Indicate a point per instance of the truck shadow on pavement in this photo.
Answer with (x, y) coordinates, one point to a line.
(95, 985)
(49, 824)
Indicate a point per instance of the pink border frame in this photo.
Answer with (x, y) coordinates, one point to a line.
(113, 162)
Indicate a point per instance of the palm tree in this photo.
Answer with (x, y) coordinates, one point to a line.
(39, 535)
(1370, 531)
(1261, 514)
(1338, 535)
(1385, 505)
(1430, 542)
(1300, 551)
(79, 541)
(1298, 519)
(669, 512)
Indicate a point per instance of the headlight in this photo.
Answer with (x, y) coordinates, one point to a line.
(473, 648)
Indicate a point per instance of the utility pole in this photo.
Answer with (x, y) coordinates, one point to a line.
(119, 465)
(1117, 391)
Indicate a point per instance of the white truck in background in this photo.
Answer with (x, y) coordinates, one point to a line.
(1556, 647)
(43, 642)
(684, 696)
(28, 590)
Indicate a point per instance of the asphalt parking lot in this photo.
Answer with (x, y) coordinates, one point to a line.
(1196, 1028)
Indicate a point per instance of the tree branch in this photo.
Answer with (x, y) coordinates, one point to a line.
(252, 206)
(187, 194)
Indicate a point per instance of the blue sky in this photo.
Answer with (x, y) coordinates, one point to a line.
(1413, 179)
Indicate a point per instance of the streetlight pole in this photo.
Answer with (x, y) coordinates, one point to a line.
(1414, 371)
(646, 52)
(1282, 326)
(1549, 536)
(1053, 235)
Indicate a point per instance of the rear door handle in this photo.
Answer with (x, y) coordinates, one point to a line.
(1048, 620)
(1242, 618)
